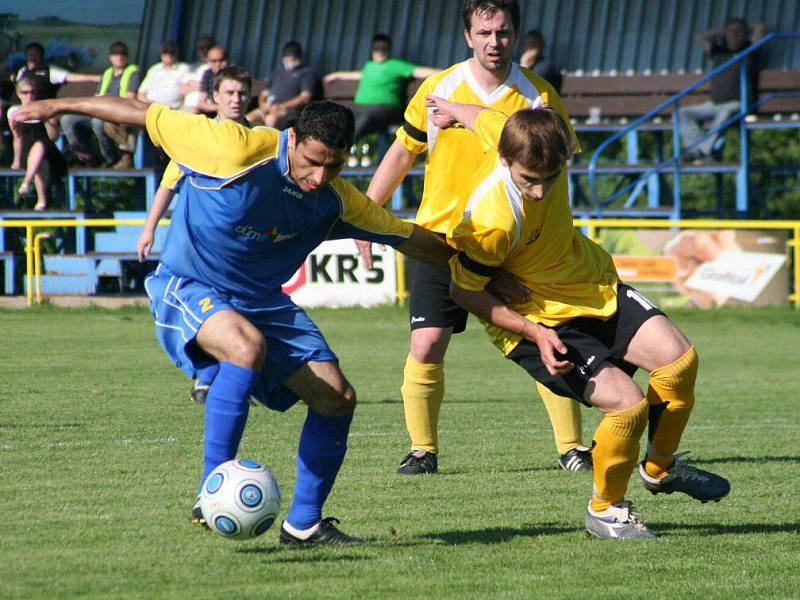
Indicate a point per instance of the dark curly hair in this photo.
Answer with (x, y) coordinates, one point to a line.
(327, 122)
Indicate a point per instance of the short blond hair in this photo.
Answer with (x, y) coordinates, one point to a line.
(538, 139)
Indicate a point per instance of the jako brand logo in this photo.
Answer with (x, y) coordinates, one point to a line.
(272, 234)
(287, 190)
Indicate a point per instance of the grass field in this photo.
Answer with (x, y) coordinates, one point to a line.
(100, 450)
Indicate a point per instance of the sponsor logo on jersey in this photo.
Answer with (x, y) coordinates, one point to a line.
(272, 235)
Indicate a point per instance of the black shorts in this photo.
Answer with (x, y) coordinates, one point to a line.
(589, 342)
(430, 304)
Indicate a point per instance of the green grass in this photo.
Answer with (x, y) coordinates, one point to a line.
(100, 449)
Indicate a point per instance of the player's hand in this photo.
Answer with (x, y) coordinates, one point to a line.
(441, 116)
(552, 349)
(144, 245)
(35, 111)
(365, 250)
(507, 288)
(528, 58)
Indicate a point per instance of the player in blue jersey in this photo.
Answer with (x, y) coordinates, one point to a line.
(256, 203)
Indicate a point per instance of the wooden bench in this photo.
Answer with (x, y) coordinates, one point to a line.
(630, 96)
(343, 91)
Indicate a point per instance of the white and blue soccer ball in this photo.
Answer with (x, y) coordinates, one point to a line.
(240, 499)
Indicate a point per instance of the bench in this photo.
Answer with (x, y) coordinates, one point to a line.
(629, 96)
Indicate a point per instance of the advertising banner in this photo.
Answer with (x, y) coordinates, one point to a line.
(703, 268)
(334, 275)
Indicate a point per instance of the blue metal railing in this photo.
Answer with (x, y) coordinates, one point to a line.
(743, 171)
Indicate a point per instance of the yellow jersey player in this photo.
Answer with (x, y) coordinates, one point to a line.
(581, 332)
(489, 78)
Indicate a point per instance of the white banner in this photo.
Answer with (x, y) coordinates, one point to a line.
(739, 275)
(334, 275)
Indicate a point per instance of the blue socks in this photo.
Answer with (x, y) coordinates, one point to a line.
(227, 405)
(323, 444)
(207, 374)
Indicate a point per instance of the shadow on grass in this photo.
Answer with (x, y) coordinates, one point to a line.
(455, 401)
(283, 554)
(745, 460)
(498, 535)
(53, 425)
(719, 529)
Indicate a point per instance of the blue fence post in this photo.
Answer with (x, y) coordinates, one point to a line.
(743, 174)
(72, 201)
(676, 158)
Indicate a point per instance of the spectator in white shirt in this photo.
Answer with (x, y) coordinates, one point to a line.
(162, 82)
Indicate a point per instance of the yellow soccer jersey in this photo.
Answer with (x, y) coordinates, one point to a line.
(455, 154)
(569, 275)
(172, 176)
(229, 149)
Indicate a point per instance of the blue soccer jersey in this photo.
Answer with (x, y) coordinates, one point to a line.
(242, 225)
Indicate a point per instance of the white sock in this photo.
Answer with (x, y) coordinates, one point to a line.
(302, 534)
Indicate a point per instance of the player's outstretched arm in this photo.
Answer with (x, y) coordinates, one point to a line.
(488, 308)
(124, 111)
(427, 247)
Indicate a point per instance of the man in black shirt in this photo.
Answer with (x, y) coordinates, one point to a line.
(726, 99)
(287, 90)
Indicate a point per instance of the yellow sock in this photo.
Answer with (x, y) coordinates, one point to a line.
(565, 418)
(615, 454)
(672, 387)
(423, 392)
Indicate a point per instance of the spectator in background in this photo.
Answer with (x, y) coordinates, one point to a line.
(380, 98)
(50, 78)
(287, 90)
(217, 60)
(726, 100)
(120, 79)
(33, 149)
(190, 86)
(162, 82)
(534, 59)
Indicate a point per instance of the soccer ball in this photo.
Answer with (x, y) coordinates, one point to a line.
(240, 499)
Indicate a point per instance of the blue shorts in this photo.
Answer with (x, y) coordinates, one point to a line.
(180, 305)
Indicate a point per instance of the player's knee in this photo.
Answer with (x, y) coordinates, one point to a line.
(341, 402)
(612, 390)
(679, 375)
(248, 350)
(428, 348)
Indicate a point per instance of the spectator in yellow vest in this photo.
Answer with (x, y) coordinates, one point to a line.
(120, 79)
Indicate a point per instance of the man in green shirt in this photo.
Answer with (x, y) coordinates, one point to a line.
(380, 99)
